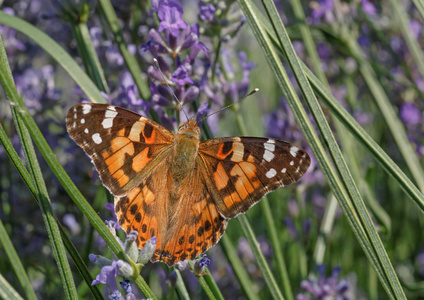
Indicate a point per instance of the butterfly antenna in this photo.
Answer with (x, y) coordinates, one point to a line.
(155, 61)
(225, 107)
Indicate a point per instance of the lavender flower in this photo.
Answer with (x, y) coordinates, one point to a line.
(413, 119)
(199, 265)
(126, 286)
(322, 288)
(368, 7)
(420, 263)
(323, 10)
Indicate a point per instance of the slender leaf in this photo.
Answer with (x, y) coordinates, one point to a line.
(89, 56)
(7, 291)
(337, 157)
(336, 185)
(129, 59)
(56, 242)
(14, 259)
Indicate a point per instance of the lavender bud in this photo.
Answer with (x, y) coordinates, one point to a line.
(146, 253)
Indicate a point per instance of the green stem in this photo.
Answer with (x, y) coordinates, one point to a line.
(206, 288)
(89, 56)
(13, 256)
(58, 249)
(260, 258)
(239, 269)
(129, 59)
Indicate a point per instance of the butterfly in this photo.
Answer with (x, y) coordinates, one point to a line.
(175, 187)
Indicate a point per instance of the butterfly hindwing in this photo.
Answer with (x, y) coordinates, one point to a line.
(122, 144)
(244, 169)
(186, 223)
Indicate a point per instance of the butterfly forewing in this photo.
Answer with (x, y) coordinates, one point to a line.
(244, 169)
(122, 144)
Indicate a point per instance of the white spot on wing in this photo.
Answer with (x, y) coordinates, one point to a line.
(271, 173)
(107, 123)
(271, 141)
(111, 107)
(268, 155)
(270, 147)
(284, 170)
(82, 121)
(86, 130)
(86, 108)
(110, 113)
(96, 138)
(291, 163)
(293, 150)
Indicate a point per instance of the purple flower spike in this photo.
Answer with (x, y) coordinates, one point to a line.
(207, 12)
(126, 286)
(181, 75)
(324, 288)
(200, 265)
(410, 114)
(368, 7)
(323, 10)
(170, 14)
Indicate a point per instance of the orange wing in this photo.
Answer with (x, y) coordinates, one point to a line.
(123, 145)
(241, 170)
(185, 220)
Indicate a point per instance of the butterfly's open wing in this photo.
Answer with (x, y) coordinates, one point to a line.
(123, 145)
(186, 221)
(241, 170)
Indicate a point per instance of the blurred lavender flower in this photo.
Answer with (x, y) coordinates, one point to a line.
(420, 263)
(37, 87)
(322, 288)
(368, 7)
(413, 119)
(70, 221)
(323, 9)
(107, 51)
(410, 114)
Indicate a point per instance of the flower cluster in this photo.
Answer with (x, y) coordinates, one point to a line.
(322, 288)
(111, 269)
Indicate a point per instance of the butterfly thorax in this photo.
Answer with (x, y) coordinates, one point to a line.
(184, 151)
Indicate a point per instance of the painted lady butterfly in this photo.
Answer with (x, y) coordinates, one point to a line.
(175, 187)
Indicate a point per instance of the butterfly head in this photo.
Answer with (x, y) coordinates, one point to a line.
(190, 128)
